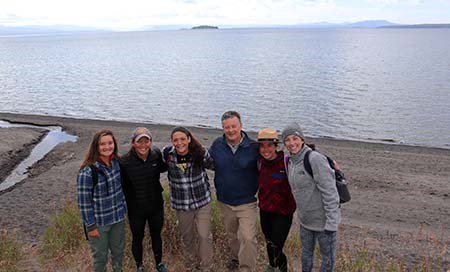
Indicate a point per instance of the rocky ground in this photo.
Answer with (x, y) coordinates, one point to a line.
(400, 203)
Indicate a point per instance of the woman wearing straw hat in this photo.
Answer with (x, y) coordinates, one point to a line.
(276, 202)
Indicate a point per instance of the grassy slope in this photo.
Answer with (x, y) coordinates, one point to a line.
(65, 249)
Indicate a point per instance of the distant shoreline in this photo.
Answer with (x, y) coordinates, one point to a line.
(370, 24)
(36, 119)
(418, 26)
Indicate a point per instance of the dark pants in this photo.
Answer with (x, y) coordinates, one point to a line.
(275, 228)
(327, 246)
(155, 222)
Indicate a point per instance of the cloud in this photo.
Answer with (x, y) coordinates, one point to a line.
(393, 2)
(137, 13)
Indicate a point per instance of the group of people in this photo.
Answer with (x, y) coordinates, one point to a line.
(249, 174)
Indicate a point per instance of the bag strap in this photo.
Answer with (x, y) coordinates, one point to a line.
(307, 164)
(286, 163)
(94, 176)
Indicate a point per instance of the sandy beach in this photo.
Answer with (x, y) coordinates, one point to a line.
(400, 203)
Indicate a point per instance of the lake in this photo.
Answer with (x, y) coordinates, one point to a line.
(366, 84)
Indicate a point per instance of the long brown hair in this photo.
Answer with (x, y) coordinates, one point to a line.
(93, 152)
(195, 148)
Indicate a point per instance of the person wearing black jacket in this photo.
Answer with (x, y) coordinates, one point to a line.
(141, 168)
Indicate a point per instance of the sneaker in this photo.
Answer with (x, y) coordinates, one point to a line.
(270, 268)
(233, 265)
(161, 268)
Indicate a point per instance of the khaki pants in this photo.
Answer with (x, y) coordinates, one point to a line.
(193, 224)
(240, 223)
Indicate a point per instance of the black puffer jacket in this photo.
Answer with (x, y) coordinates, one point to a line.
(140, 181)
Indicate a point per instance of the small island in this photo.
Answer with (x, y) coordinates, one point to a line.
(205, 27)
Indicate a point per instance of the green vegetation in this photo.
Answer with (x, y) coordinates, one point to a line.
(64, 235)
(10, 252)
(65, 248)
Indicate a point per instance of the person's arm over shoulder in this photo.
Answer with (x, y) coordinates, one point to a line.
(213, 149)
(85, 197)
(326, 183)
(208, 161)
(126, 183)
(159, 157)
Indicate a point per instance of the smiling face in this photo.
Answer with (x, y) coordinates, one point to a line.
(106, 147)
(293, 144)
(142, 147)
(268, 150)
(181, 142)
(232, 128)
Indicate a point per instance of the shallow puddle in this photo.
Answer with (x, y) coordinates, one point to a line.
(54, 137)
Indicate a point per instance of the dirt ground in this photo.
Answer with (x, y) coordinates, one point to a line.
(400, 205)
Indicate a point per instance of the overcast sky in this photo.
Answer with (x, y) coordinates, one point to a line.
(130, 14)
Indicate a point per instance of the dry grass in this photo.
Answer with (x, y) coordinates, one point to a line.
(10, 252)
(64, 248)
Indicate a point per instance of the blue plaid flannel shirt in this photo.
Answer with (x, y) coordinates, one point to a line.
(105, 204)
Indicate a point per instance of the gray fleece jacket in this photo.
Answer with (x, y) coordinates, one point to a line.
(317, 199)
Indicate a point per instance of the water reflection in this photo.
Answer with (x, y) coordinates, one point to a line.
(54, 137)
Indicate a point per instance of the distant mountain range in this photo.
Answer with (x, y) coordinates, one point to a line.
(361, 24)
(22, 30)
(419, 26)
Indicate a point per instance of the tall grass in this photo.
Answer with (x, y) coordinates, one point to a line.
(64, 235)
(10, 252)
(64, 246)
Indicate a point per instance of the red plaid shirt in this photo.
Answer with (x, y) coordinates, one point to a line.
(274, 193)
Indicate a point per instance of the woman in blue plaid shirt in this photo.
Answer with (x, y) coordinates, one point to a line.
(101, 201)
(190, 196)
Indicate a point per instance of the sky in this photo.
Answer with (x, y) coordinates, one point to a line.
(135, 14)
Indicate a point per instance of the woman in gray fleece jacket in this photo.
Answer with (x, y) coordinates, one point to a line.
(317, 200)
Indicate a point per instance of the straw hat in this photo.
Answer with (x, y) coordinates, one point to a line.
(268, 135)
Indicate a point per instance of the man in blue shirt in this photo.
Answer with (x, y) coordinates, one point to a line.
(236, 180)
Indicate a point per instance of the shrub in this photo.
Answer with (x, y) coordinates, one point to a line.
(65, 234)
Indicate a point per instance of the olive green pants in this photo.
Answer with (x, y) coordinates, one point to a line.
(112, 238)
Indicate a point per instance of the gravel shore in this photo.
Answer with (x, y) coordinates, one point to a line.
(400, 194)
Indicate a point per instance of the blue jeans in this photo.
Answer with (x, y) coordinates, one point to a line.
(327, 246)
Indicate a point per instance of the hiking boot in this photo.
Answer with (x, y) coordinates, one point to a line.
(233, 265)
(161, 268)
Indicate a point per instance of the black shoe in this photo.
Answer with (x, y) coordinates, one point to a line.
(161, 268)
(233, 265)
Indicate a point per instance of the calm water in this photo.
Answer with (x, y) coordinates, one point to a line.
(355, 84)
